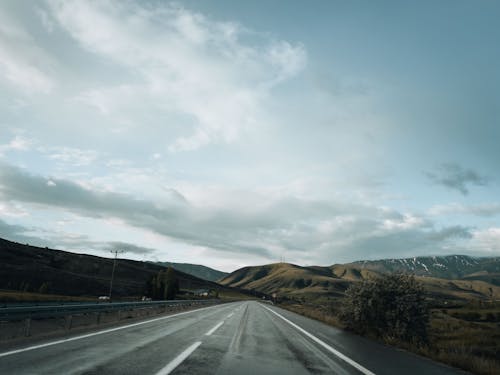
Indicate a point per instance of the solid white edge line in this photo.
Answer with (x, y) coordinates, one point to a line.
(324, 344)
(178, 360)
(101, 332)
(214, 329)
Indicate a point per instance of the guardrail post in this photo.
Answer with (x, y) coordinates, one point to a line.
(27, 326)
(69, 321)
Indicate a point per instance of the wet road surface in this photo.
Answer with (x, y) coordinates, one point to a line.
(237, 338)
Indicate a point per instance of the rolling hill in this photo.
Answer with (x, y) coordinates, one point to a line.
(285, 278)
(30, 268)
(313, 282)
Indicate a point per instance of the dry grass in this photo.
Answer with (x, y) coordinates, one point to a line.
(471, 345)
(315, 312)
(16, 296)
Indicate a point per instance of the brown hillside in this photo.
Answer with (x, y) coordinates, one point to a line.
(351, 273)
(460, 289)
(292, 280)
(286, 278)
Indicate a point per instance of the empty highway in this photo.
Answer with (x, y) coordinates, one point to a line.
(235, 338)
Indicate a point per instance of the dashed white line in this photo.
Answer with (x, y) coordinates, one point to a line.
(178, 360)
(230, 315)
(100, 332)
(214, 329)
(324, 344)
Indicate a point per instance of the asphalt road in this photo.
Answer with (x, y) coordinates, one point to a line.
(237, 338)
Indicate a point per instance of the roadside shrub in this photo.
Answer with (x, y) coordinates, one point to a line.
(391, 307)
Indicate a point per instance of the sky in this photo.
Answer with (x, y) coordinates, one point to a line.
(230, 133)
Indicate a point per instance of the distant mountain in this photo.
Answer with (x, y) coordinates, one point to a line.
(282, 277)
(445, 267)
(319, 282)
(197, 270)
(285, 278)
(30, 268)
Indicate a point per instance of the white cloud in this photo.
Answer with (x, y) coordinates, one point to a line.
(18, 143)
(486, 241)
(10, 209)
(406, 221)
(105, 89)
(245, 223)
(289, 59)
(187, 64)
(47, 22)
(21, 59)
(71, 156)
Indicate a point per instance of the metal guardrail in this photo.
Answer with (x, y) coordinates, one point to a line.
(44, 303)
(55, 310)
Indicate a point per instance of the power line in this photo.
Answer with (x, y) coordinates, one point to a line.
(116, 252)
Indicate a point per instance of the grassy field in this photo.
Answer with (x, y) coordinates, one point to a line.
(467, 336)
(463, 335)
(17, 296)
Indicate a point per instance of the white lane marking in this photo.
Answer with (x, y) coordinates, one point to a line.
(230, 315)
(101, 332)
(178, 360)
(324, 344)
(214, 329)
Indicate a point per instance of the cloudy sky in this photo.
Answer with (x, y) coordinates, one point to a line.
(232, 133)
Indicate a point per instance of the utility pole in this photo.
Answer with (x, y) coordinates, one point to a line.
(116, 252)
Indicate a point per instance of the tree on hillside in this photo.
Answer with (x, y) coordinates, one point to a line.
(164, 285)
(171, 284)
(392, 307)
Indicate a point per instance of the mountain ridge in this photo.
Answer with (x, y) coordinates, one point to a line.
(198, 270)
(314, 281)
(447, 266)
(24, 267)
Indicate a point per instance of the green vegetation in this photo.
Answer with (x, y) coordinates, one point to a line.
(164, 285)
(392, 307)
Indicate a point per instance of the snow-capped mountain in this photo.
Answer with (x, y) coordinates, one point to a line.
(448, 267)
